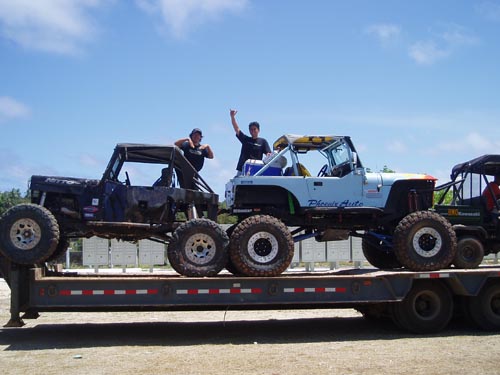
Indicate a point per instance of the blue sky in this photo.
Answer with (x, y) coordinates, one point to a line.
(415, 84)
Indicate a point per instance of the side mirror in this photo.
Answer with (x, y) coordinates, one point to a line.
(354, 159)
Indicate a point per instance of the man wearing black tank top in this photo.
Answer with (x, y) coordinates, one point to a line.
(252, 147)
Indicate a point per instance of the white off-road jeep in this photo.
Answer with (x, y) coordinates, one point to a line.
(390, 211)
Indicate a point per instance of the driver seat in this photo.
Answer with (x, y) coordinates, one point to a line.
(301, 168)
(163, 180)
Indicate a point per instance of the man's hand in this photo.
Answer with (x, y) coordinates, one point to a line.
(236, 128)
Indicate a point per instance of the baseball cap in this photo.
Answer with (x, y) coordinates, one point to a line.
(196, 130)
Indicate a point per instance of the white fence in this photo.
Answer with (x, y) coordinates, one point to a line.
(308, 253)
(103, 252)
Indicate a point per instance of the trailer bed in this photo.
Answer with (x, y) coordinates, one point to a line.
(417, 301)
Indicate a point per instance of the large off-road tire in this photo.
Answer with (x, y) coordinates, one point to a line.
(378, 255)
(198, 248)
(261, 245)
(425, 241)
(230, 267)
(427, 308)
(470, 253)
(29, 234)
(484, 309)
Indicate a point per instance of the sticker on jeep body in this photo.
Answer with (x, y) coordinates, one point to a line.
(345, 203)
(53, 180)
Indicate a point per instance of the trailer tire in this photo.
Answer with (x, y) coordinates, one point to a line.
(425, 241)
(470, 253)
(427, 308)
(377, 255)
(261, 245)
(484, 309)
(29, 234)
(198, 248)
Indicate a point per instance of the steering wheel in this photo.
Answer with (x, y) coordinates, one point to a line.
(322, 171)
(341, 169)
(127, 180)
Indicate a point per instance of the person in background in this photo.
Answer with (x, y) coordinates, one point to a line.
(492, 193)
(252, 147)
(193, 150)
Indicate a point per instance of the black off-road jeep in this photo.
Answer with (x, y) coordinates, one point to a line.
(166, 210)
(478, 232)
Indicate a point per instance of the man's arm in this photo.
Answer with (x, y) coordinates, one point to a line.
(209, 153)
(267, 149)
(236, 128)
(179, 142)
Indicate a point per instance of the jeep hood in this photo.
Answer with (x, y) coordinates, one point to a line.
(388, 179)
(391, 178)
(53, 183)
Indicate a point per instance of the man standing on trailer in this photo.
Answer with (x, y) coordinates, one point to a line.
(252, 147)
(193, 150)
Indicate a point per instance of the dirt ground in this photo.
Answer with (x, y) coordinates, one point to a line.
(337, 341)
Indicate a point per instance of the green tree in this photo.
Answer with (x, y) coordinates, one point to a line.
(9, 199)
(386, 169)
(447, 198)
(225, 217)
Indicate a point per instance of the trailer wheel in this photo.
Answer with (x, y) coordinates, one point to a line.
(198, 248)
(484, 309)
(261, 245)
(470, 253)
(425, 241)
(29, 234)
(427, 308)
(378, 255)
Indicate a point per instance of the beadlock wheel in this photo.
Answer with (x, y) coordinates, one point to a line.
(262, 247)
(427, 242)
(200, 248)
(25, 234)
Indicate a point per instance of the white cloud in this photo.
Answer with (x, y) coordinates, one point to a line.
(11, 108)
(181, 16)
(427, 53)
(442, 45)
(59, 26)
(384, 32)
(472, 142)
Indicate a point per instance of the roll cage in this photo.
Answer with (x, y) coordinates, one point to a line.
(339, 152)
(177, 168)
(469, 179)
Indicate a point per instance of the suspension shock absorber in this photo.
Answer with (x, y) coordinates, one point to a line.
(413, 201)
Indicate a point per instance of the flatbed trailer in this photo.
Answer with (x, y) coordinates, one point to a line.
(421, 302)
